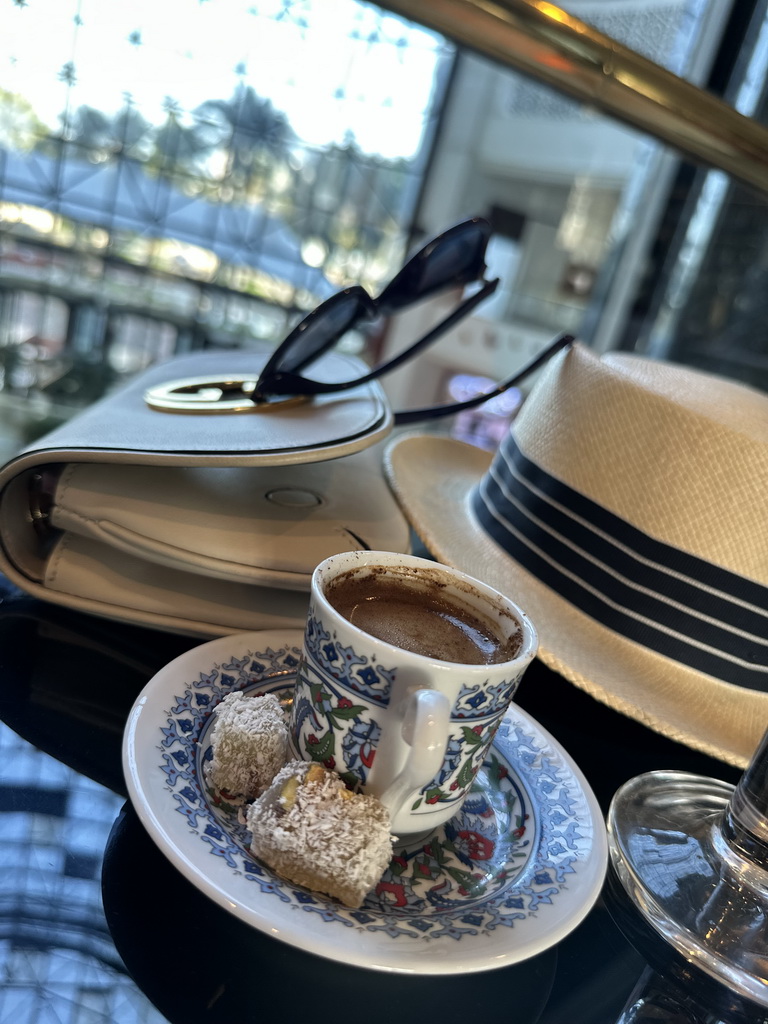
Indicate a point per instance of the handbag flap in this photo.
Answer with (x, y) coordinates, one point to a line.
(122, 427)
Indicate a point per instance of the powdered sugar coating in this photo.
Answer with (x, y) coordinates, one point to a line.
(328, 840)
(249, 745)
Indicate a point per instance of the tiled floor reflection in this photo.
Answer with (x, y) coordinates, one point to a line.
(58, 964)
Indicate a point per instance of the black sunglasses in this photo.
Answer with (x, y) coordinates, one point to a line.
(455, 257)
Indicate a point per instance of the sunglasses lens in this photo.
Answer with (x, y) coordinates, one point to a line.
(319, 331)
(456, 257)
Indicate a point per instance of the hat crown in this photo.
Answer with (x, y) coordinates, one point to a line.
(625, 511)
(679, 454)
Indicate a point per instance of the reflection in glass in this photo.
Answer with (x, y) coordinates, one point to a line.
(692, 853)
(56, 953)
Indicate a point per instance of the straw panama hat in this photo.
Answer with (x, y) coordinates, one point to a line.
(627, 512)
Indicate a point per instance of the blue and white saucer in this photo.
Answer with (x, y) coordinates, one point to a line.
(509, 876)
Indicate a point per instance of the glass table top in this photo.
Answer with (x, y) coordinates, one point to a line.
(96, 925)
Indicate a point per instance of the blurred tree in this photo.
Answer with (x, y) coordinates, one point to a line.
(178, 146)
(254, 135)
(87, 127)
(20, 127)
(352, 204)
(126, 133)
(131, 133)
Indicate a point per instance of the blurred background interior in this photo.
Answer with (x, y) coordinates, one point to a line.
(201, 173)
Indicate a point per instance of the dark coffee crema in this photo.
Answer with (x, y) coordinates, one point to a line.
(412, 610)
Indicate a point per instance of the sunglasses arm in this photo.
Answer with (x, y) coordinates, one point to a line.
(437, 411)
(466, 307)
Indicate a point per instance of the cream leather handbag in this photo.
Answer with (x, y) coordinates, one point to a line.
(176, 503)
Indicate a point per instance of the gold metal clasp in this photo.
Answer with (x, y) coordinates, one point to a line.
(213, 395)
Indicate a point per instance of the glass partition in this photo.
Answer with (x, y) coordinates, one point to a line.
(204, 178)
(199, 175)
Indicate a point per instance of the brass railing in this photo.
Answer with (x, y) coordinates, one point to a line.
(544, 41)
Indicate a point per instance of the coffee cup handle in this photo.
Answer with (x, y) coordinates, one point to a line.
(425, 729)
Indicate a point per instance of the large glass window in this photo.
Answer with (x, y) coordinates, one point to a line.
(213, 170)
(576, 198)
(701, 300)
(203, 176)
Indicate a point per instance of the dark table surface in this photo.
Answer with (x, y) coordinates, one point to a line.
(97, 925)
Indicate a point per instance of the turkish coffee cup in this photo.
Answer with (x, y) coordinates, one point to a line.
(408, 667)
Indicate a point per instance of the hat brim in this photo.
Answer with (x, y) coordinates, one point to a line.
(433, 479)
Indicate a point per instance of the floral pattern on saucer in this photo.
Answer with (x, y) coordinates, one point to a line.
(508, 877)
(469, 876)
